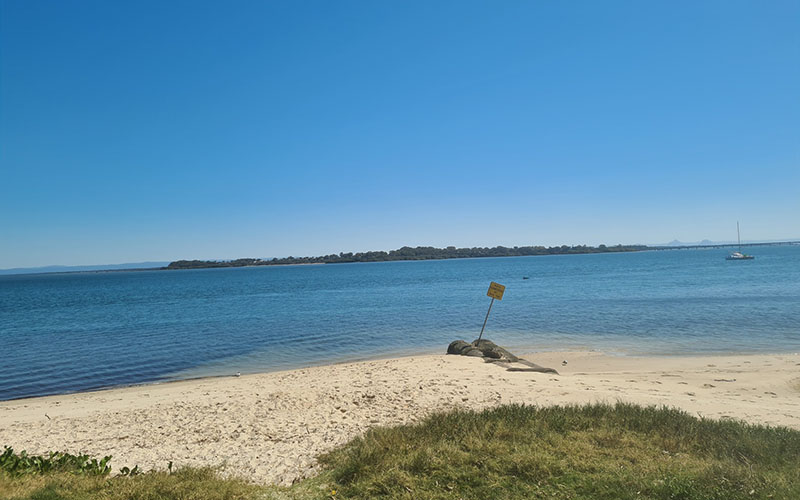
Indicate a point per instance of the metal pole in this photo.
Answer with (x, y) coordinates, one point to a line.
(484, 321)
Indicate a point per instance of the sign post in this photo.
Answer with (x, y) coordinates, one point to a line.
(496, 291)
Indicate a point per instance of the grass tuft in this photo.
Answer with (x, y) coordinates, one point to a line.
(591, 452)
(189, 483)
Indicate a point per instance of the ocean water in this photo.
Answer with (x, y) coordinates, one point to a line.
(71, 332)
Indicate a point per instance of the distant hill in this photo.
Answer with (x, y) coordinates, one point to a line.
(677, 243)
(75, 269)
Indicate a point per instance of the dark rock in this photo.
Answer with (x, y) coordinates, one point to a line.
(492, 353)
(533, 367)
(484, 344)
(538, 370)
(492, 350)
(466, 348)
(456, 346)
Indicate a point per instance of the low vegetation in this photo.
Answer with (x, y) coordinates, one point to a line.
(183, 484)
(20, 464)
(510, 452)
(588, 452)
(409, 253)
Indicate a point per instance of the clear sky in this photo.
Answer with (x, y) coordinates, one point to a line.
(151, 130)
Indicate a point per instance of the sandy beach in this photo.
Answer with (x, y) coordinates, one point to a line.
(269, 427)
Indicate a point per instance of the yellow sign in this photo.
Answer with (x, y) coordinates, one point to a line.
(496, 291)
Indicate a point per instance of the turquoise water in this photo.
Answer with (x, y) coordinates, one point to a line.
(69, 332)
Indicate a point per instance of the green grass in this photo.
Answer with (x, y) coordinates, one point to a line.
(588, 452)
(581, 452)
(188, 484)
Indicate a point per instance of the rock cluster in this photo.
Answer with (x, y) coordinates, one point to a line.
(493, 353)
(481, 348)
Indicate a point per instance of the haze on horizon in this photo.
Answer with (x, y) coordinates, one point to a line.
(195, 130)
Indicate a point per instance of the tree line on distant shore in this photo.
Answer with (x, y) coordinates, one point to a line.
(409, 253)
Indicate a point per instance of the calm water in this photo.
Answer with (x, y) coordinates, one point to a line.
(70, 332)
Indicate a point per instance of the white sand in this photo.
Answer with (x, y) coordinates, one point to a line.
(269, 427)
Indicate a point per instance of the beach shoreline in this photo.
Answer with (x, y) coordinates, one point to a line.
(269, 427)
(237, 370)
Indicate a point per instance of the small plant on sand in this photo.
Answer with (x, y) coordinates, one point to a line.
(22, 463)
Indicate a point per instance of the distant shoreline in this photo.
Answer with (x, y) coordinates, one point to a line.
(407, 253)
(432, 253)
(302, 261)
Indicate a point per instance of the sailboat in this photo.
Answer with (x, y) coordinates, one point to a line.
(739, 255)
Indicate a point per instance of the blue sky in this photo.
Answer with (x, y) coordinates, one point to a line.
(137, 131)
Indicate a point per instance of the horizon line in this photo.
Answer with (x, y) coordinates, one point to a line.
(116, 266)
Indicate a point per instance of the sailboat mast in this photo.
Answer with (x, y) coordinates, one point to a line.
(738, 237)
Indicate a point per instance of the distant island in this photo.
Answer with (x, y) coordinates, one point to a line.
(409, 253)
(405, 253)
